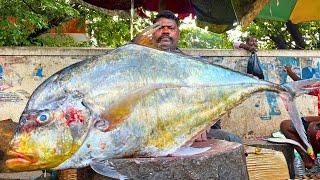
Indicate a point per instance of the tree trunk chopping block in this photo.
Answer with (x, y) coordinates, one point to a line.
(225, 160)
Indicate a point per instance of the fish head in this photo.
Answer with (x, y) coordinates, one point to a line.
(45, 138)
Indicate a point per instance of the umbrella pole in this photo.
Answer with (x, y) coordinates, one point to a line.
(234, 11)
(131, 18)
(162, 5)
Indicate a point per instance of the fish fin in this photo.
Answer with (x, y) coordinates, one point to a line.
(302, 86)
(289, 101)
(106, 168)
(284, 140)
(189, 151)
(294, 89)
(119, 111)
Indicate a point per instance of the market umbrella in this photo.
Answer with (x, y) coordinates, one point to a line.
(296, 11)
(218, 15)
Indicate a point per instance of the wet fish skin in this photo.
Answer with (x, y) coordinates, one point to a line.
(133, 101)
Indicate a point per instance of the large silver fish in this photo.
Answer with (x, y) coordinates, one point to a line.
(133, 101)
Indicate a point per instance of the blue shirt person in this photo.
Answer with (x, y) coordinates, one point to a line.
(1, 72)
(38, 72)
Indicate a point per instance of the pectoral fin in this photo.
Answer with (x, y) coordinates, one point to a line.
(188, 151)
(119, 111)
(284, 140)
(106, 168)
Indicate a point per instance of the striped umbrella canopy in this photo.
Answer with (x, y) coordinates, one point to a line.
(296, 11)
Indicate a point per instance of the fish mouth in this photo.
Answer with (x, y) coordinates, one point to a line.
(20, 161)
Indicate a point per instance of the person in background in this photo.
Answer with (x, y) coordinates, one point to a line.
(251, 44)
(311, 125)
(38, 71)
(1, 72)
(165, 36)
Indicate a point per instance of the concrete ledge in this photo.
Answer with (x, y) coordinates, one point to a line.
(71, 51)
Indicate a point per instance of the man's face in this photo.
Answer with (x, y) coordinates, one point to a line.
(252, 41)
(167, 36)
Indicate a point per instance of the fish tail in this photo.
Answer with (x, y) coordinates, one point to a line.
(297, 123)
(300, 87)
(295, 89)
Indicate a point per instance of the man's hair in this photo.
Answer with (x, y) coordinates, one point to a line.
(166, 14)
(250, 38)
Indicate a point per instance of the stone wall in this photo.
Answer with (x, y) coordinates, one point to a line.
(23, 69)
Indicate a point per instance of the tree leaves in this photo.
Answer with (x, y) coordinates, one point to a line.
(198, 38)
(22, 23)
(273, 32)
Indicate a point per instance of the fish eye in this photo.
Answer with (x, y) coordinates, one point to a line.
(43, 117)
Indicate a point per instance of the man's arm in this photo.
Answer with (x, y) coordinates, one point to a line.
(240, 45)
(295, 77)
(145, 37)
(292, 74)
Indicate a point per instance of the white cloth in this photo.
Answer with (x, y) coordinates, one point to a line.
(236, 44)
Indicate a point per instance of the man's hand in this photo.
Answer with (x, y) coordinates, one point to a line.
(248, 47)
(288, 69)
(252, 49)
(291, 73)
(145, 37)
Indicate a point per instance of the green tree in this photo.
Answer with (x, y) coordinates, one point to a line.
(285, 35)
(112, 31)
(22, 21)
(194, 37)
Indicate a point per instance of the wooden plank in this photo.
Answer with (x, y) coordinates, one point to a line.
(266, 164)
